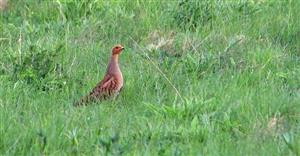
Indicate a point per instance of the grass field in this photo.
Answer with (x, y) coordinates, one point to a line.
(201, 77)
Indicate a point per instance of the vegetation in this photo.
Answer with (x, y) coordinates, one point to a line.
(201, 77)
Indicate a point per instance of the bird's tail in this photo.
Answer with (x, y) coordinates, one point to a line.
(84, 101)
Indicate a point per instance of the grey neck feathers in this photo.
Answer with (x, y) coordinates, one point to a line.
(113, 66)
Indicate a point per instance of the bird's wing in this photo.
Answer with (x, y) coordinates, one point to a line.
(97, 92)
(105, 88)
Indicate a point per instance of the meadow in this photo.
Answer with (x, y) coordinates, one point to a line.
(211, 77)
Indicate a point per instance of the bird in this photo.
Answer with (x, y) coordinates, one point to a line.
(111, 84)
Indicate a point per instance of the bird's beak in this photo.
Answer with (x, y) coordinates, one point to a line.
(122, 48)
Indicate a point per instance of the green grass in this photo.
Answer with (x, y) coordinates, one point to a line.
(235, 64)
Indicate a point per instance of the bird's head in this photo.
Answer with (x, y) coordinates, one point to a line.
(117, 49)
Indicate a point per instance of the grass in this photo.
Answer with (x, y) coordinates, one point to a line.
(201, 77)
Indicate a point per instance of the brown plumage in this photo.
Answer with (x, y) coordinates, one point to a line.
(110, 85)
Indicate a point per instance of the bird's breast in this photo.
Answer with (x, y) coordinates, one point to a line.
(120, 80)
(113, 69)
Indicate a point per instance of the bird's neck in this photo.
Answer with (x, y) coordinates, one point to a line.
(113, 66)
(114, 58)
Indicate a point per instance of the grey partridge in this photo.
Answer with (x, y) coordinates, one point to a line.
(110, 85)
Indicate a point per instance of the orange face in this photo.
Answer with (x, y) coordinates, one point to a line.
(117, 49)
